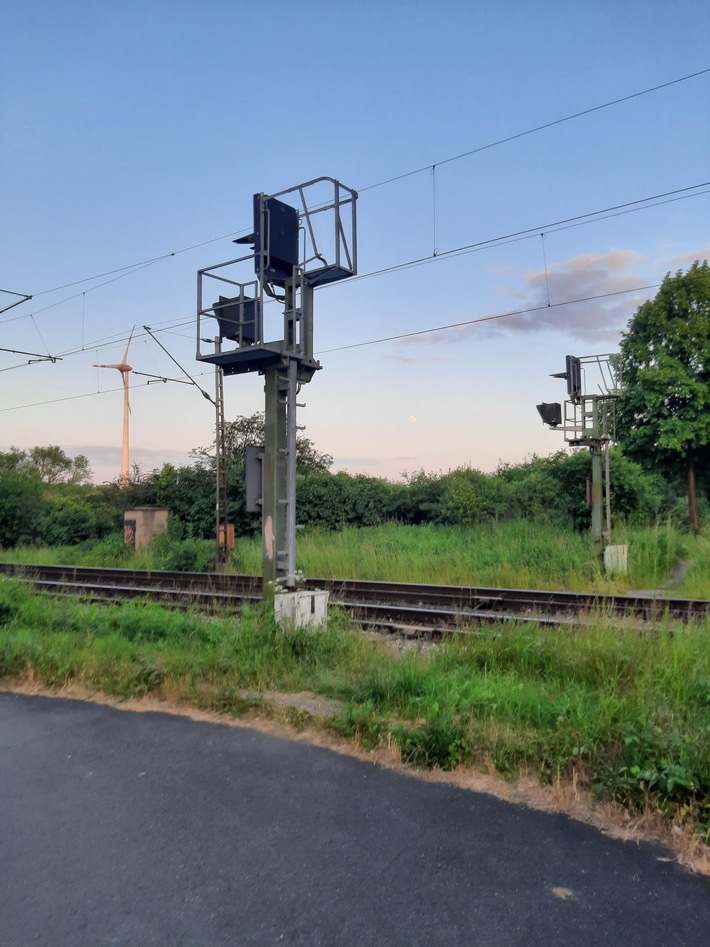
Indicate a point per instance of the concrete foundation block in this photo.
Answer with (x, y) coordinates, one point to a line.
(616, 560)
(302, 609)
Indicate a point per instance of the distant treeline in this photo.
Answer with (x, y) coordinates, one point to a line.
(43, 503)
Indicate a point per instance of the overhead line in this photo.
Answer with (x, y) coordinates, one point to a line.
(91, 394)
(535, 231)
(136, 266)
(183, 370)
(568, 223)
(150, 261)
(354, 345)
(491, 318)
(537, 128)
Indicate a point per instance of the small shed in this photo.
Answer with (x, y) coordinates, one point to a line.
(143, 524)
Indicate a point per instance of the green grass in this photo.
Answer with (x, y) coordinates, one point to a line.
(167, 553)
(627, 711)
(514, 555)
(506, 555)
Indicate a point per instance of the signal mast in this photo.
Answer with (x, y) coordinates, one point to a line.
(589, 421)
(303, 238)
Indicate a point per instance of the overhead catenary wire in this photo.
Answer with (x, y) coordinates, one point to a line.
(35, 357)
(544, 260)
(537, 128)
(568, 223)
(555, 227)
(17, 302)
(140, 264)
(565, 224)
(135, 267)
(183, 370)
(92, 394)
(392, 338)
(489, 318)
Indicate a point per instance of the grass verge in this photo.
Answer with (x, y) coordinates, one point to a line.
(624, 714)
(514, 554)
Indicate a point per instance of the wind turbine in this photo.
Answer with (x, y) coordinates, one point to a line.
(124, 368)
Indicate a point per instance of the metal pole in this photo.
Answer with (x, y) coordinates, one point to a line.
(607, 473)
(597, 537)
(291, 474)
(274, 493)
(221, 514)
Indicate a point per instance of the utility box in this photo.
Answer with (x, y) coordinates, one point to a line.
(302, 609)
(143, 525)
(230, 541)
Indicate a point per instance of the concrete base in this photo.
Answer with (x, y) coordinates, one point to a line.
(301, 609)
(616, 560)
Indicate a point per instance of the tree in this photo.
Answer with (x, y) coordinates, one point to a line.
(189, 494)
(49, 464)
(664, 413)
(54, 466)
(20, 504)
(249, 430)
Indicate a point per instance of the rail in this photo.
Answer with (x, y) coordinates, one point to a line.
(395, 606)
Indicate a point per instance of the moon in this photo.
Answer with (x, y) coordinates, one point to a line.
(412, 419)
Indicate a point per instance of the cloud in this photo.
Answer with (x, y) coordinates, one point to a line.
(582, 277)
(686, 259)
(409, 360)
(105, 461)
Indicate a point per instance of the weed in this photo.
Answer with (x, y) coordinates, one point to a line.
(440, 742)
(362, 722)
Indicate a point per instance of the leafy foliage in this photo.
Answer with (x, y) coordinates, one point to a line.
(75, 515)
(48, 464)
(35, 508)
(248, 431)
(20, 504)
(664, 413)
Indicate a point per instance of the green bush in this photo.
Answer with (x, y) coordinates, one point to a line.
(70, 518)
(20, 505)
(186, 555)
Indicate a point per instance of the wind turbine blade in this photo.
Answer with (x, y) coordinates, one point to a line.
(125, 354)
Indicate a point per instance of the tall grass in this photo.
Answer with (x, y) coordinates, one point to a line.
(167, 553)
(511, 554)
(514, 554)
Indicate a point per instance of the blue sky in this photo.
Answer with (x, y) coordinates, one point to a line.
(135, 130)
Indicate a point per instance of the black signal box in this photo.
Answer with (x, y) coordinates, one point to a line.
(550, 413)
(573, 373)
(234, 315)
(573, 376)
(275, 238)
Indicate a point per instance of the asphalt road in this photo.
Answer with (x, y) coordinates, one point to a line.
(134, 829)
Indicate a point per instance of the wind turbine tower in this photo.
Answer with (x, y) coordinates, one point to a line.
(124, 368)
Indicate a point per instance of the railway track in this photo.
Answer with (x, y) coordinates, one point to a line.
(395, 606)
